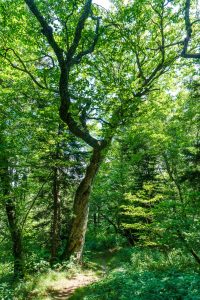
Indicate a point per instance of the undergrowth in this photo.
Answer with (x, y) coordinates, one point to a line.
(146, 274)
(37, 282)
(125, 274)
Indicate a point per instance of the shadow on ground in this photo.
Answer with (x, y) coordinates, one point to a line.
(62, 294)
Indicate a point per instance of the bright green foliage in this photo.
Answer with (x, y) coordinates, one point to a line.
(151, 176)
(137, 91)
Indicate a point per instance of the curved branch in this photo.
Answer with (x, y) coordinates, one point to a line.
(83, 134)
(23, 69)
(79, 56)
(46, 30)
(188, 27)
(34, 200)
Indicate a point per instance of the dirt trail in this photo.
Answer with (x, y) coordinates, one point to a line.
(99, 264)
(63, 289)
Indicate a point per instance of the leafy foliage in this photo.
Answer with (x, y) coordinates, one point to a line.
(83, 88)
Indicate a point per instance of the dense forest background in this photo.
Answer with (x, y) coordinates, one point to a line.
(100, 148)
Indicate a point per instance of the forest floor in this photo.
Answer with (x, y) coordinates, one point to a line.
(71, 288)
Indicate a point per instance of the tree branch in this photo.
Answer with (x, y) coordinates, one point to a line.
(166, 46)
(23, 69)
(78, 31)
(188, 27)
(65, 68)
(83, 134)
(139, 65)
(34, 200)
(46, 30)
(79, 56)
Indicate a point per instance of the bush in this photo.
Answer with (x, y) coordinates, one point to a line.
(147, 274)
(128, 285)
(101, 241)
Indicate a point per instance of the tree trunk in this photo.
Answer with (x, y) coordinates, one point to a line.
(56, 217)
(16, 240)
(16, 234)
(81, 208)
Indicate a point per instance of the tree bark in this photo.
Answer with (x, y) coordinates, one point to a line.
(16, 237)
(55, 232)
(81, 209)
(15, 231)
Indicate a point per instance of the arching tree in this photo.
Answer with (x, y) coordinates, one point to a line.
(98, 65)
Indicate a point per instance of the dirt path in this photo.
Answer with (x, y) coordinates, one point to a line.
(63, 289)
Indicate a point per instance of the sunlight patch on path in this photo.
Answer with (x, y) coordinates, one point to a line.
(64, 288)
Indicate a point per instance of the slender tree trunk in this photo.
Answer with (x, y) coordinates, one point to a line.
(95, 220)
(98, 216)
(56, 217)
(16, 237)
(81, 208)
(15, 231)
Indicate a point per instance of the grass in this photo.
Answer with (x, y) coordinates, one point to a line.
(34, 287)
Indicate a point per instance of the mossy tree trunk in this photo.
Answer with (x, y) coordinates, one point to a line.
(81, 208)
